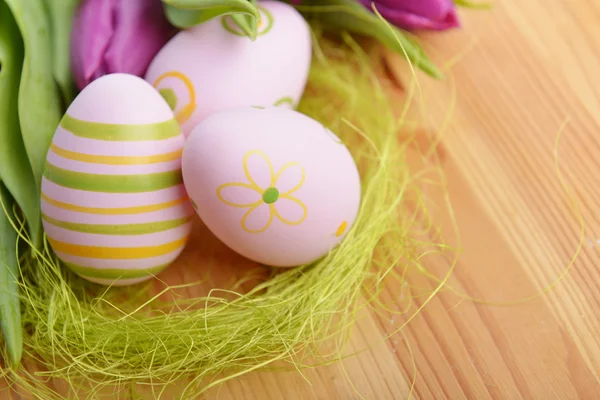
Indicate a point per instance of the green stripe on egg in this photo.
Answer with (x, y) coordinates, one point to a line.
(113, 273)
(113, 183)
(125, 229)
(120, 132)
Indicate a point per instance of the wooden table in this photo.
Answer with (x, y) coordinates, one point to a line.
(526, 76)
(521, 156)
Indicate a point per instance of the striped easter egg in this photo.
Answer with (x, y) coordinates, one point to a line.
(114, 207)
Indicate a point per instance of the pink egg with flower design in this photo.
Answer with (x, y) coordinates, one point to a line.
(273, 184)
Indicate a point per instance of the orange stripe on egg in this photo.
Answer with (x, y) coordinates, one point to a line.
(121, 253)
(114, 211)
(116, 160)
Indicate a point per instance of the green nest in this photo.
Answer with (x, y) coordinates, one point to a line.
(97, 340)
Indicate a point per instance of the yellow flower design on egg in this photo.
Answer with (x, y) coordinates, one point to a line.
(267, 194)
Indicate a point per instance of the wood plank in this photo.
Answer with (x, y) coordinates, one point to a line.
(526, 77)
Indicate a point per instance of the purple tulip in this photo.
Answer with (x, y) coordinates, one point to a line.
(417, 14)
(112, 36)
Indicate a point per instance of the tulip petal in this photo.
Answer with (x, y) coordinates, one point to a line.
(436, 10)
(93, 28)
(412, 21)
(141, 30)
(417, 14)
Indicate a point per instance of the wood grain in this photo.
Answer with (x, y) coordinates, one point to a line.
(521, 157)
(524, 82)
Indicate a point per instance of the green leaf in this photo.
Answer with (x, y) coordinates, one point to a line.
(183, 19)
(15, 169)
(61, 16)
(39, 99)
(10, 306)
(187, 13)
(354, 17)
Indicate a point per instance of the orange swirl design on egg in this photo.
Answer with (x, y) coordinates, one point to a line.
(185, 113)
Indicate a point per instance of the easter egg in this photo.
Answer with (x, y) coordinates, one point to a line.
(114, 207)
(273, 184)
(214, 65)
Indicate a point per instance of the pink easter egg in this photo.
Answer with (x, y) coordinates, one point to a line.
(114, 206)
(273, 184)
(214, 65)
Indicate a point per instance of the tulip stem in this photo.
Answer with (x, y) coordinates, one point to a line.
(247, 24)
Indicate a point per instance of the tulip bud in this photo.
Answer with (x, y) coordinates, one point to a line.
(111, 36)
(417, 14)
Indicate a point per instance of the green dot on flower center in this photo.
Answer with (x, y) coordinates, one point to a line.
(270, 195)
